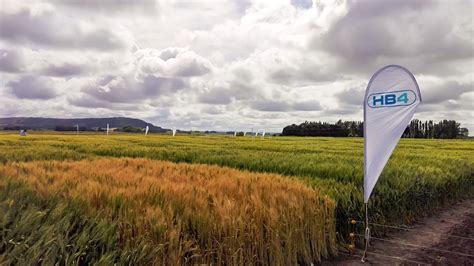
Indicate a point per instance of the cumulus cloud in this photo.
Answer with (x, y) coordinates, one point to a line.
(11, 61)
(446, 91)
(247, 64)
(64, 70)
(51, 30)
(32, 87)
(302, 3)
(123, 89)
(89, 101)
(217, 95)
(173, 61)
(112, 6)
(285, 106)
(352, 96)
(212, 110)
(147, 75)
(415, 33)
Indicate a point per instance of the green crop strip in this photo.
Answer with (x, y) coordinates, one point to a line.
(422, 175)
(55, 231)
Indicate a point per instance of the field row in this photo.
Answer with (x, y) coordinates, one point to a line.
(183, 213)
(421, 176)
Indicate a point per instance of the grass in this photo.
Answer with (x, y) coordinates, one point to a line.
(422, 175)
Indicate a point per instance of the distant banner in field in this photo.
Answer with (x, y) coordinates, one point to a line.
(391, 99)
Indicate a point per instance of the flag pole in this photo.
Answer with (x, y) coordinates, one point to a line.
(367, 234)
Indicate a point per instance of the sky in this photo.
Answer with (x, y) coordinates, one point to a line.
(230, 65)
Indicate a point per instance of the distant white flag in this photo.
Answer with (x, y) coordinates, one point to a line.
(245, 133)
(174, 131)
(107, 129)
(263, 134)
(256, 134)
(235, 134)
(391, 99)
(146, 130)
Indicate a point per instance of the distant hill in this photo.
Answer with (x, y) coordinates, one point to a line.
(87, 123)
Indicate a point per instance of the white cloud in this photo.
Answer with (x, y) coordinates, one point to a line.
(230, 64)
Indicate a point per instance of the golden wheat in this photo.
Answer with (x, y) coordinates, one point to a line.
(197, 213)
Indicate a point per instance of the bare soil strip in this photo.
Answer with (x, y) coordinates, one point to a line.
(457, 220)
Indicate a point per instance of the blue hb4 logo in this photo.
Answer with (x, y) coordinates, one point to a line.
(389, 99)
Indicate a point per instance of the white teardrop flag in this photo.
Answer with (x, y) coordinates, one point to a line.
(146, 130)
(391, 99)
(174, 131)
(107, 129)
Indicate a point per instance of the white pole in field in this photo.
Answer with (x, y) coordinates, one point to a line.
(235, 134)
(107, 129)
(245, 133)
(174, 131)
(263, 134)
(391, 99)
(146, 130)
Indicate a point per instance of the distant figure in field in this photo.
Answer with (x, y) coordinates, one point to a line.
(23, 132)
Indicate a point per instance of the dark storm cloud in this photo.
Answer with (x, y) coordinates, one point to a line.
(129, 89)
(64, 70)
(11, 61)
(32, 87)
(375, 33)
(47, 29)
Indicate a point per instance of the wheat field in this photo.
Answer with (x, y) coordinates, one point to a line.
(131, 199)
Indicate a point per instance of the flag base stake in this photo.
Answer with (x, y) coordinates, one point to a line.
(367, 234)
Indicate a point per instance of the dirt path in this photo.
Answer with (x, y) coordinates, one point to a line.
(457, 220)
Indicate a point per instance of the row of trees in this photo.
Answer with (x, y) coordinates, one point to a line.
(445, 129)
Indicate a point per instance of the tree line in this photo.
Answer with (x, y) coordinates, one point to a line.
(445, 129)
